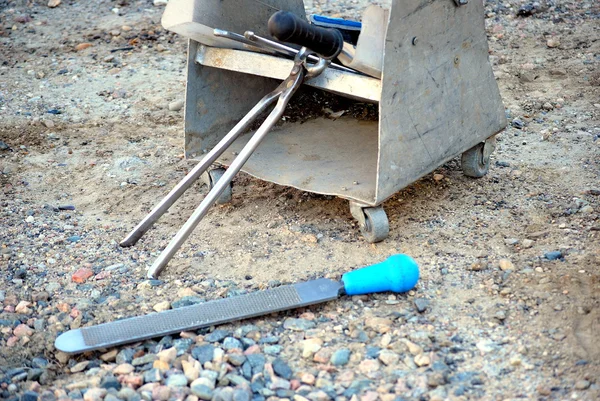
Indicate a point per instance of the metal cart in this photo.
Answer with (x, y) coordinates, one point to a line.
(437, 99)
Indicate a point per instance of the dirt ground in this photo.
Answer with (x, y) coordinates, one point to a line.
(93, 128)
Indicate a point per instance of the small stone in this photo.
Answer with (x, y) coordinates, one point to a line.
(298, 324)
(518, 124)
(81, 275)
(162, 306)
(167, 355)
(543, 390)
(159, 3)
(527, 243)
(388, 357)
(23, 330)
(379, 324)
(143, 360)
(506, 265)
(422, 360)
(94, 394)
(153, 376)
(552, 43)
(279, 383)
(161, 393)
(231, 343)
(187, 301)
(53, 3)
(369, 366)
(511, 241)
(203, 353)
(309, 379)
(109, 381)
(80, 367)
(236, 359)
(123, 369)
(553, 255)
(273, 349)
(109, 356)
(587, 209)
(201, 391)
(161, 365)
(340, 357)
(413, 348)
(191, 370)
(176, 105)
(438, 177)
(176, 380)
(310, 347)
(323, 355)
(125, 355)
(421, 304)
(23, 308)
(217, 336)
(83, 46)
(29, 396)
(282, 369)
(30, 219)
(582, 384)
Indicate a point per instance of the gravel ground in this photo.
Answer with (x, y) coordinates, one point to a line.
(508, 304)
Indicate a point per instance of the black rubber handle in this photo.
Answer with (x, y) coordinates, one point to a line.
(287, 27)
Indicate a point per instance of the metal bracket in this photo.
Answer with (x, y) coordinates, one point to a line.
(461, 2)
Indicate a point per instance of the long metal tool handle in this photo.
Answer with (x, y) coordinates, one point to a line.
(289, 86)
(197, 171)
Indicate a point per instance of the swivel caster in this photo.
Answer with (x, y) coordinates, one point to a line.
(475, 162)
(211, 177)
(373, 222)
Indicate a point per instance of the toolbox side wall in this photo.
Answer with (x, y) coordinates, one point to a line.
(439, 95)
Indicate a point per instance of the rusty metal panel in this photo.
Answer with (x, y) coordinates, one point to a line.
(439, 95)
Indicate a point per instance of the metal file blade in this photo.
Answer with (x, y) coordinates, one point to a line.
(198, 316)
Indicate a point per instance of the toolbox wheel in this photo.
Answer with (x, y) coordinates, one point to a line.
(475, 162)
(373, 222)
(211, 177)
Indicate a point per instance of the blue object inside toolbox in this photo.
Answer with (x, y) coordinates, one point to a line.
(349, 29)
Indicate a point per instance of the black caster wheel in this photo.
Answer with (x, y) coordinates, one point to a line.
(211, 177)
(373, 222)
(475, 162)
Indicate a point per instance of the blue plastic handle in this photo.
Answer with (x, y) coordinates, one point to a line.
(398, 273)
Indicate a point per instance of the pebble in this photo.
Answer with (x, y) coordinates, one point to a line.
(80, 367)
(201, 391)
(506, 265)
(422, 360)
(29, 396)
(53, 3)
(552, 43)
(167, 355)
(582, 384)
(30, 219)
(161, 393)
(176, 380)
(231, 343)
(389, 358)
(369, 366)
(94, 394)
(340, 357)
(379, 324)
(298, 324)
(527, 243)
(217, 336)
(554, 255)
(421, 304)
(282, 369)
(176, 105)
(123, 369)
(204, 353)
(143, 360)
(310, 347)
(162, 306)
(81, 275)
(153, 376)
